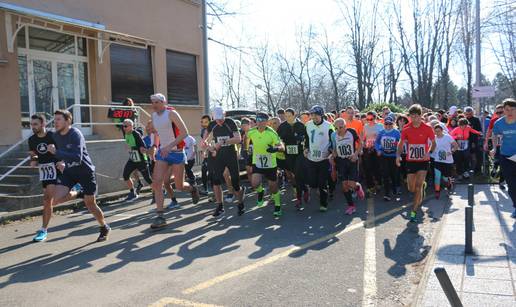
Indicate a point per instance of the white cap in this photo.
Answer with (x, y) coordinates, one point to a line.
(158, 97)
(218, 113)
(453, 109)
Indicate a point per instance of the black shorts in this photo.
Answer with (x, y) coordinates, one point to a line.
(46, 183)
(290, 163)
(446, 169)
(218, 164)
(270, 173)
(347, 170)
(414, 167)
(79, 175)
(282, 164)
(142, 167)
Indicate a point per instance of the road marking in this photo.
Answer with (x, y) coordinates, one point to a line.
(216, 280)
(369, 296)
(179, 302)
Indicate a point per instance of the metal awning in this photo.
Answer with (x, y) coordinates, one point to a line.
(23, 16)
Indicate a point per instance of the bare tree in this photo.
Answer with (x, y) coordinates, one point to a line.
(232, 77)
(467, 30)
(419, 48)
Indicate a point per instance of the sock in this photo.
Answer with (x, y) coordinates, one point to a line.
(259, 190)
(276, 197)
(349, 197)
(44, 229)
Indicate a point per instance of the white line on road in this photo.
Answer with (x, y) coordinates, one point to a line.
(179, 302)
(369, 296)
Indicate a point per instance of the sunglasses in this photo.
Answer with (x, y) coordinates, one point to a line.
(499, 112)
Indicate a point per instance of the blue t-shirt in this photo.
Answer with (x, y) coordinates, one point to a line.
(387, 142)
(148, 141)
(71, 148)
(508, 133)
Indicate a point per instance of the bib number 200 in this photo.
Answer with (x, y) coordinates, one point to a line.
(417, 152)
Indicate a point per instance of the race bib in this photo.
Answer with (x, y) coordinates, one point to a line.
(47, 172)
(416, 151)
(388, 144)
(344, 150)
(442, 155)
(316, 153)
(292, 149)
(463, 144)
(134, 155)
(222, 139)
(264, 161)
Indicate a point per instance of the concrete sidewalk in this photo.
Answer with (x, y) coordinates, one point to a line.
(487, 278)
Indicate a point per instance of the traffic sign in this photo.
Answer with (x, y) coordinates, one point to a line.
(483, 91)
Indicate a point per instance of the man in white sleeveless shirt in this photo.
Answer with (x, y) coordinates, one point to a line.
(171, 132)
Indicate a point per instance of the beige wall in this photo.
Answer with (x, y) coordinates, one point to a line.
(10, 117)
(172, 24)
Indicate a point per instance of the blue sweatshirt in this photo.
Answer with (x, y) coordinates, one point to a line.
(71, 148)
(387, 142)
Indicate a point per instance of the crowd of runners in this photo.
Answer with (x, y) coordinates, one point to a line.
(312, 152)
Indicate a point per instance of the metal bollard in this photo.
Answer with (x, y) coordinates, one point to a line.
(471, 195)
(468, 250)
(447, 286)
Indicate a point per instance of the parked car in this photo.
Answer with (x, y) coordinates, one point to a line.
(239, 114)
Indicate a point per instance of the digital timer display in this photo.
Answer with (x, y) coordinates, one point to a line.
(121, 113)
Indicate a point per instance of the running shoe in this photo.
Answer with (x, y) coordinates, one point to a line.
(260, 202)
(351, 209)
(413, 216)
(195, 195)
(360, 191)
(306, 196)
(159, 222)
(241, 209)
(139, 187)
(323, 208)
(173, 204)
(298, 204)
(465, 175)
(229, 198)
(41, 235)
(513, 215)
(131, 196)
(277, 211)
(437, 194)
(103, 233)
(219, 212)
(387, 198)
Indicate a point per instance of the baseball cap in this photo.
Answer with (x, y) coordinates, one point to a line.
(218, 113)
(468, 109)
(453, 110)
(158, 97)
(388, 120)
(262, 117)
(317, 110)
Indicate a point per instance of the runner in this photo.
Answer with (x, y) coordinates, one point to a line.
(292, 134)
(274, 123)
(462, 156)
(445, 145)
(205, 121)
(247, 152)
(386, 144)
(317, 150)
(75, 167)
(190, 150)
(224, 132)
(496, 163)
(506, 128)
(266, 143)
(369, 157)
(347, 145)
(171, 157)
(41, 158)
(138, 159)
(418, 136)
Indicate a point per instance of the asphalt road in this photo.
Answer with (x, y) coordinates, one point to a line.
(304, 258)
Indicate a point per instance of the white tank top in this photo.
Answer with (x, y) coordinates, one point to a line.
(319, 138)
(164, 128)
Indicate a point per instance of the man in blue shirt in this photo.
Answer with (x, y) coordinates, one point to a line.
(75, 166)
(385, 145)
(506, 128)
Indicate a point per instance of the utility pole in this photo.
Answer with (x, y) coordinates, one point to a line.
(205, 59)
(478, 71)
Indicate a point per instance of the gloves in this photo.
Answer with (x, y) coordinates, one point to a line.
(272, 149)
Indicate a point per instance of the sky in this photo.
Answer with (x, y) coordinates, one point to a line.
(277, 21)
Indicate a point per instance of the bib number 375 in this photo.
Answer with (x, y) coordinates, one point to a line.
(416, 151)
(47, 172)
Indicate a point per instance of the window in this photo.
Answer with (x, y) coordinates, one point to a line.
(131, 73)
(182, 78)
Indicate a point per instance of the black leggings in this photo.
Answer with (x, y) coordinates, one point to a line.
(143, 167)
(204, 173)
(318, 173)
(218, 164)
(461, 158)
(390, 174)
(188, 171)
(299, 171)
(371, 167)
